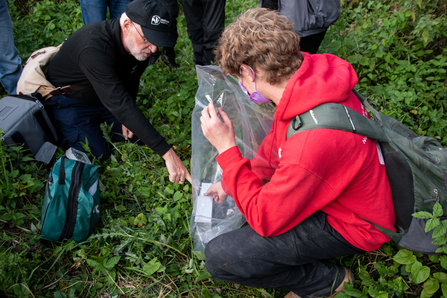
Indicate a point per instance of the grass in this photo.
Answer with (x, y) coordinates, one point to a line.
(141, 247)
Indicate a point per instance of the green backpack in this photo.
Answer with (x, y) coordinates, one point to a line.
(71, 203)
(416, 166)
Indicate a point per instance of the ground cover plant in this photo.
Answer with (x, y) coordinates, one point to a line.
(141, 247)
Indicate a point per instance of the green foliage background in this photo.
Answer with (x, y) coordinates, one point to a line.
(141, 247)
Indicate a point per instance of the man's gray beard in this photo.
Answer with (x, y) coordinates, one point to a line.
(130, 42)
(141, 58)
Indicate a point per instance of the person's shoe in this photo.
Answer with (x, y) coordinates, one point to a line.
(292, 295)
(169, 61)
(349, 278)
(154, 57)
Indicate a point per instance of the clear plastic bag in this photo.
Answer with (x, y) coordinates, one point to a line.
(251, 122)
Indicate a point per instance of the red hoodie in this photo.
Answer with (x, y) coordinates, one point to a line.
(337, 172)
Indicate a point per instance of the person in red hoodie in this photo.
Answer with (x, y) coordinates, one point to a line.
(306, 199)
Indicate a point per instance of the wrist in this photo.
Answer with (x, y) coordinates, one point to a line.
(168, 154)
(225, 148)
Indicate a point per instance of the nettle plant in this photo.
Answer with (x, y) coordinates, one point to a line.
(398, 50)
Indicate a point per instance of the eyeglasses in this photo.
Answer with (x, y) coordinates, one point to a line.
(144, 38)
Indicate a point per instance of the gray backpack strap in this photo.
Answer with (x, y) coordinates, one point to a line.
(336, 116)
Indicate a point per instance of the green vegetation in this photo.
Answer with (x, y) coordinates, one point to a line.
(141, 247)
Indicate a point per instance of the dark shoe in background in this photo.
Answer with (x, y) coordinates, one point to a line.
(154, 57)
(168, 56)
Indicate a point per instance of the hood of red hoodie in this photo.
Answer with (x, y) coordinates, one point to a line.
(320, 79)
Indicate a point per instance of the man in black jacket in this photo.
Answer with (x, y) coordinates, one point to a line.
(98, 69)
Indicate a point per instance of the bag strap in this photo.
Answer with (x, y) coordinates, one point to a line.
(337, 116)
(62, 171)
(67, 89)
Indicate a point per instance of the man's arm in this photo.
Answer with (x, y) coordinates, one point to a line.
(100, 71)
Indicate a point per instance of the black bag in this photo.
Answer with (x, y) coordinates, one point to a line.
(25, 123)
(416, 166)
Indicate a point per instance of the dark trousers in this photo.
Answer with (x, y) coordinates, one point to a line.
(293, 261)
(77, 122)
(311, 43)
(205, 21)
(173, 10)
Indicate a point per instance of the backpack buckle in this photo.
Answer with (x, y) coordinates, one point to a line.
(296, 122)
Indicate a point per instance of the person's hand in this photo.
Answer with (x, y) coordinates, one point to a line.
(220, 134)
(126, 133)
(177, 170)
(216, 191)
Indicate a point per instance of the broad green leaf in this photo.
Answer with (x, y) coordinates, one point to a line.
(161, 210)
(94, 264)
(364, 61)
(440, 230)
(178, 195)
(419, 273)
(199, 255)
(434, 258)
(425, 294)
(437, 210)
(443, 259)
(398, 284)
(120, 208)
(440, 240)
(140, 220)
(422, 215)
(404, 256)
(440, 276)
(111, 277)
(366, 279)
(349, 289)
(425, 35)
(60, 294)
(431, 224)
(203, 274)
(144, 191)
(152, 266)
(169, 190)
(379, 294)
(431, 286)
(444, 289)
(205, 293)
(110, 263)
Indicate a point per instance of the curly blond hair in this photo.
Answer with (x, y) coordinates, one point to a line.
(260, 38)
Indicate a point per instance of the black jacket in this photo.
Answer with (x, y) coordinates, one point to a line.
(94, 56)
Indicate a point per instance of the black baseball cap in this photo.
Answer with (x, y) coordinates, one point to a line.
(153, 19)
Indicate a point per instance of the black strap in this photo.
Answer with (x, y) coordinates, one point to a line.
(49, 136)
(62, 171)
(67, 89)
(72, 201)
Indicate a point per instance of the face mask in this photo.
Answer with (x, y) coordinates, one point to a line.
(255, 96)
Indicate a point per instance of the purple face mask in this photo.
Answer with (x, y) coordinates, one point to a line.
(255, 96)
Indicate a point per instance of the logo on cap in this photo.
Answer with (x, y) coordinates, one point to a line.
(155, 20)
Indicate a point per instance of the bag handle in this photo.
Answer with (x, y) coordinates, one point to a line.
(62, 171)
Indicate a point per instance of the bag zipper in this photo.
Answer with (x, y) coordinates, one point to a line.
(72, 204)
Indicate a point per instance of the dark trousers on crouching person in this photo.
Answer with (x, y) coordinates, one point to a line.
(77, 121)
(293, 261)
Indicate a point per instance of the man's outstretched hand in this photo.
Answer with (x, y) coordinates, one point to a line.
(177, 170)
